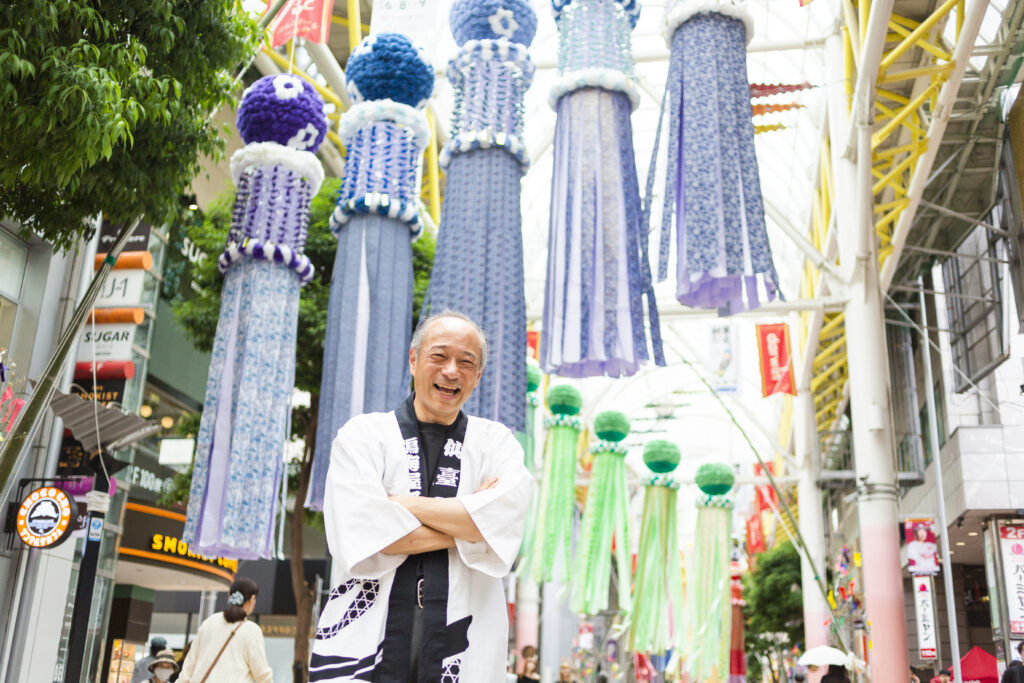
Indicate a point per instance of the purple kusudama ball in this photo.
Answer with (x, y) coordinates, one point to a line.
(284, 109)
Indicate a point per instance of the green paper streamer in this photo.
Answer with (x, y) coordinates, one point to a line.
(658, 597)
(606, 514)
(552, 526)
(707, 631)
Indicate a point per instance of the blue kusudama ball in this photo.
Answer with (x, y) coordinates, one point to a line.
(284, 109)
(389, 66)
(513, 20)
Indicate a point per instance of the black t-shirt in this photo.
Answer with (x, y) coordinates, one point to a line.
(432, 438)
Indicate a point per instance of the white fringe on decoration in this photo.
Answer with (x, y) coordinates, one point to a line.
(269, 153)
(681, 10)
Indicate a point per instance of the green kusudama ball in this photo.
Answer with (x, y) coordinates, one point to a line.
(661, 456)
(715, 479)
(533, 375)
(611, 425)
(564, 399)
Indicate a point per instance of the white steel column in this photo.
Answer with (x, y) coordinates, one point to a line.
(874, 455)
(812, 523)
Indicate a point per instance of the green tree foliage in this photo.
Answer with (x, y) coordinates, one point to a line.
(774, 611)
(107, 106)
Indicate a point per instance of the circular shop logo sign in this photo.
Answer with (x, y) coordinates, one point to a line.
(44, 517)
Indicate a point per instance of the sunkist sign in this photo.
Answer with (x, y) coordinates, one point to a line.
(44, 517)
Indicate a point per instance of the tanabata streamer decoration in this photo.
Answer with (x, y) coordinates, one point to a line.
(712, 187)
(553, 524)
(706, 633)
(533, 380)
(737, 648)
(605, 516)
(598, 273)
(478, 264)
(369, 315)
(658, 598)
(252, 368)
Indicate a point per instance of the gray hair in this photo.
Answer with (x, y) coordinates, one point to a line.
(421, 332)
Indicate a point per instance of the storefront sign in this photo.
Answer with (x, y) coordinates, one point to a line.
(924, 608)
(1011, 546)
(922, 553)
(122, 288)
(152, 536)
(138, 241)
(44, 517)
(776, 363)
(416, 19)
(112, 342)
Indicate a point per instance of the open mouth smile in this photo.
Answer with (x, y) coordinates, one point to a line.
(450, 392)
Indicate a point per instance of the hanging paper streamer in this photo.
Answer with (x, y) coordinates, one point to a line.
(553, 524)
(485, 160)
(598, 272)
(252, 368)
(737, 648)
(706, 633)
(369, 315)
(533, 379)
(658, 599)
(605, 517)
(766, 89)
(712, 188)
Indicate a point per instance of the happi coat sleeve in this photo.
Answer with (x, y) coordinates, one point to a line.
(359, 518)
(500, 512)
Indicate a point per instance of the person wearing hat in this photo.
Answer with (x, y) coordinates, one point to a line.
(162, 667)
(156, 645)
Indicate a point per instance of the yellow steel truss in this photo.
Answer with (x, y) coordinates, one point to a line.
(899, 140)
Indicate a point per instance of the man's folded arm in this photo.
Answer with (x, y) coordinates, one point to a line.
(420, 540)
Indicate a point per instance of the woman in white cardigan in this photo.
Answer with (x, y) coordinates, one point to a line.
(228, 648)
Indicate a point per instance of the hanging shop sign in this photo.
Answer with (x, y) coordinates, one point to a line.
(307, 19)
(776, 362)
(922, 552)
(722, 359)
(924, 609)
(111, 342)
(1011, 546)
(44, 517)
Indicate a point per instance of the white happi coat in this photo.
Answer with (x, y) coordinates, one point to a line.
(369, 462)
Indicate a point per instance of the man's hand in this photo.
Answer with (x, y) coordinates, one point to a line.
(489, 484)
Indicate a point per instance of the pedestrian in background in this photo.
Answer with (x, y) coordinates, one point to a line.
(141, 674)
(162, 667)
(228, 648)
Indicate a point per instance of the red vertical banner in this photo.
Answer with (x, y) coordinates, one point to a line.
(776, 362)
(533, 343)
(309, 19)
(755, 535)
(767, 498)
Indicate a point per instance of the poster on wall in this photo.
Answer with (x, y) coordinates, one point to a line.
(1011, 546)
(922, 552)
(924, 609)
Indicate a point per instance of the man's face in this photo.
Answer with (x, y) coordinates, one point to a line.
(446, 370)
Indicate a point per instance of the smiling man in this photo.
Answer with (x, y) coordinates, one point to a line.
(424, 509)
